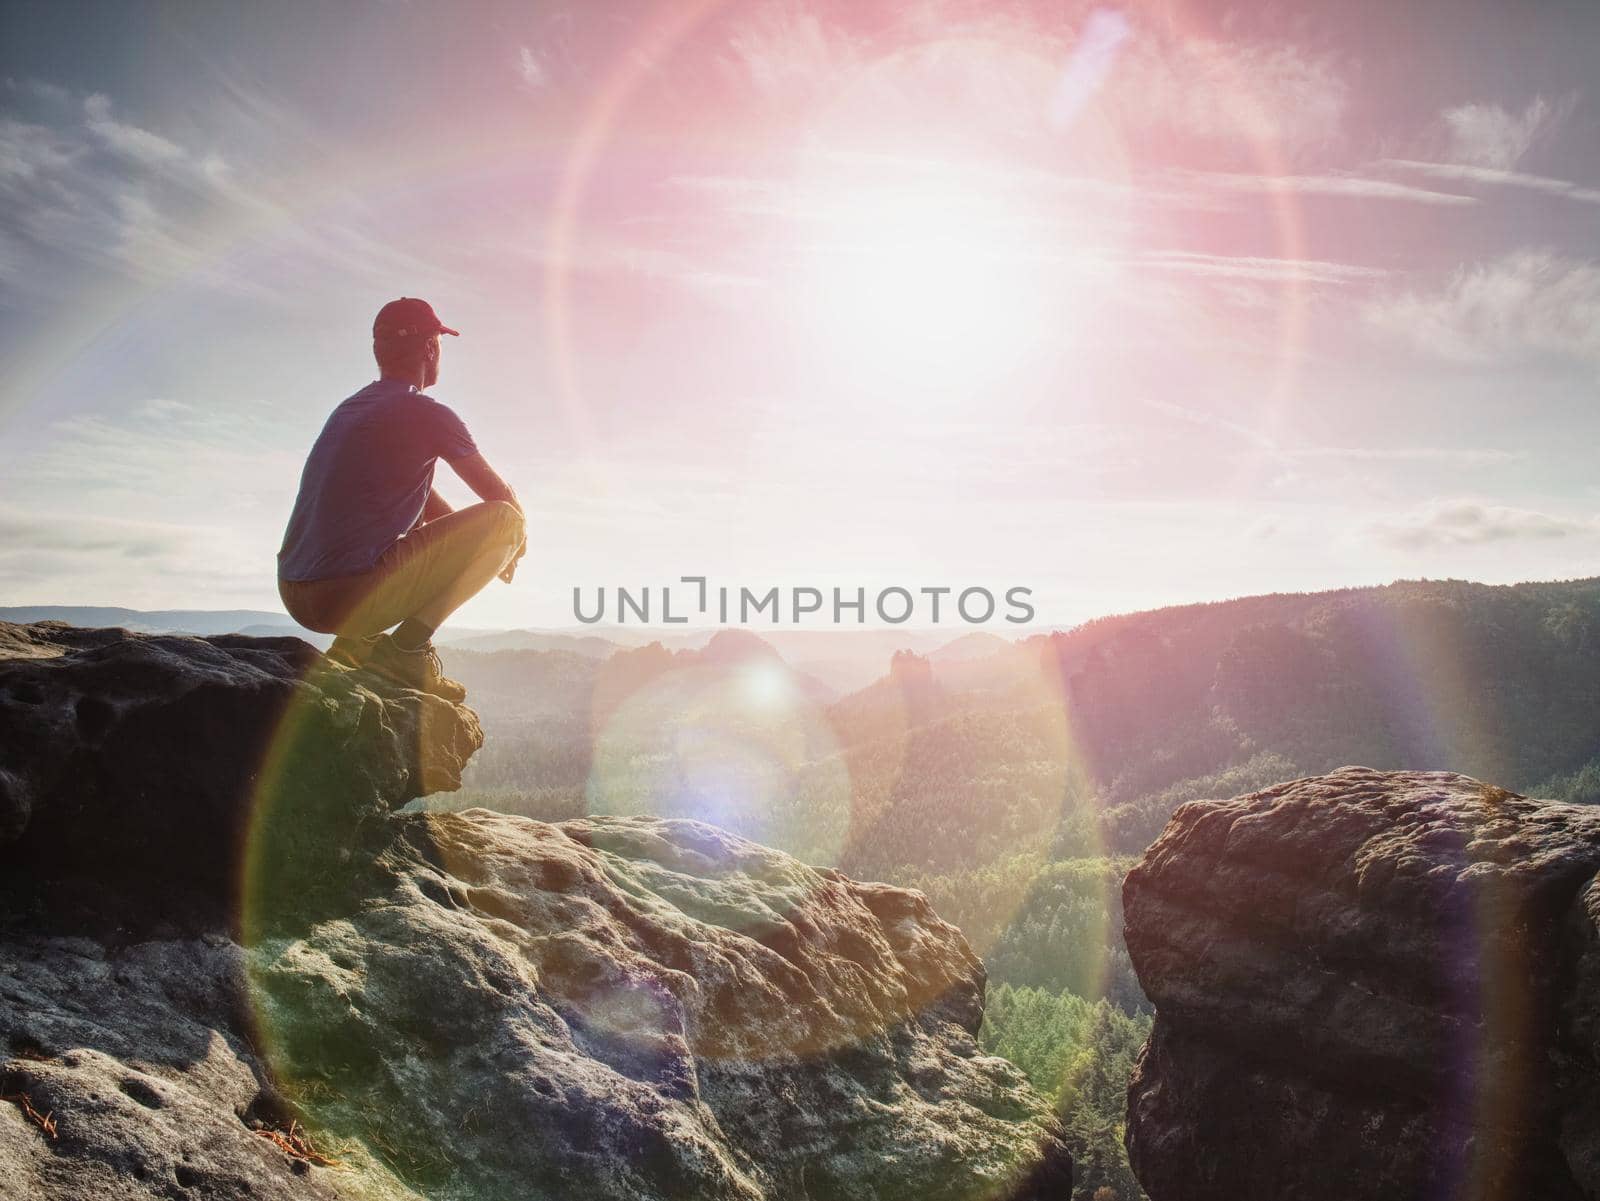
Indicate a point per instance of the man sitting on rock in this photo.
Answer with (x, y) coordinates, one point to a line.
(370, 544)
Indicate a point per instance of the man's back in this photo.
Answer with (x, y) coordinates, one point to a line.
(367, 479)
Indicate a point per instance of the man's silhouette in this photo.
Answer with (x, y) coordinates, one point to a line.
(370, 544)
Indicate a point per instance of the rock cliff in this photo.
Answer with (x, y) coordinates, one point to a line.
(229, 955)
(1369, 985)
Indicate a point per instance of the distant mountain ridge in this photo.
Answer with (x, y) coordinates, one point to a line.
(204, 622)
(842, 659)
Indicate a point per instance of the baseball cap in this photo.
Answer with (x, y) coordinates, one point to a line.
(408, 317)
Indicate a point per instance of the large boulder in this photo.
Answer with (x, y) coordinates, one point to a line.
(1369, 985)
(288, 966)
(134, 767)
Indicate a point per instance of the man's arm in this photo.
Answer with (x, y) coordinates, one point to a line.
(476, 474)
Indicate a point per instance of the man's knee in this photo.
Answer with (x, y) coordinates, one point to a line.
(508, 521)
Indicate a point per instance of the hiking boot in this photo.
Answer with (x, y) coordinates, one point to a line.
(351, 652)
(419, 669)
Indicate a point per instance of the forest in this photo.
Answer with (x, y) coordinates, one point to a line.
(1016, 788)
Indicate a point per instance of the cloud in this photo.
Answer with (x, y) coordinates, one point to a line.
(850, 203)
(29, 151)
(163, 494)
(1353, 186)
(140, 145)
(81, 188)
(783, 51)
(1463, 173)
(126, 455)
(163, 408)
(1289, 453)
(957, 65)
(1033, 200)
(1483, 143)
(50, 92)
(1263, 269)
(22, 533)
(1486, 135)
(106, 193)
(530, 69)
(1458, 456)
(1445, 523)
(1274, 97)
(1253, 436)
(1525, 303)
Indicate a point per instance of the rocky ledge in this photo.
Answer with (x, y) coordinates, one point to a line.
(1369, 985)
(233, 964)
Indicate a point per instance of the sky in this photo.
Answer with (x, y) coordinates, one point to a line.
(1131, 305)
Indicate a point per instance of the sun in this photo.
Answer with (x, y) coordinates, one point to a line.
(942, 280)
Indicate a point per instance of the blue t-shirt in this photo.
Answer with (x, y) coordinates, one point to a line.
(367, 479)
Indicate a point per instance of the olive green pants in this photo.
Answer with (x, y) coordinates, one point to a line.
(427, 574)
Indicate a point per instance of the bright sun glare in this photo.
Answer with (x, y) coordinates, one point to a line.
(938, 284)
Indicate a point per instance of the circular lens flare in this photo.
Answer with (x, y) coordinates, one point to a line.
(738, 745)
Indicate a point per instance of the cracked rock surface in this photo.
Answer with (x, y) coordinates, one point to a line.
(1369, 985)
(219, 926)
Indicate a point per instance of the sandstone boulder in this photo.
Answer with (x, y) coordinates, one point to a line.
(132, 767)
(1369, 985)
(221, 929)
